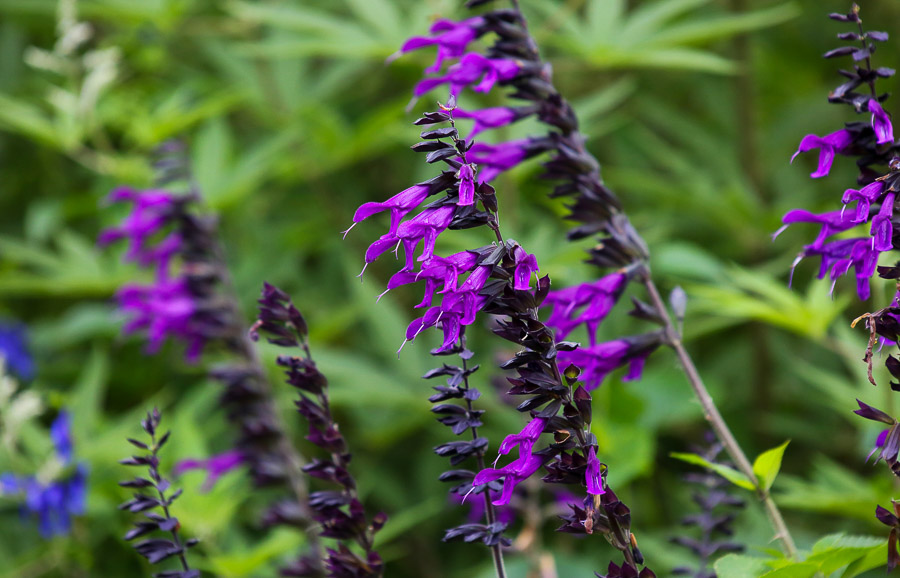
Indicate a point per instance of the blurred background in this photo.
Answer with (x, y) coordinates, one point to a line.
(293, 120)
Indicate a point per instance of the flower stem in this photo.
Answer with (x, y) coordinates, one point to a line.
(491, 514)
(712, 415)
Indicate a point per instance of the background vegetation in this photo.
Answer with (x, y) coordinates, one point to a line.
(292, 119)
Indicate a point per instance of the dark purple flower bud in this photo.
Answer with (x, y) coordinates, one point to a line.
(828, 145)
(869, 412)
(452, 39)
(215, 466)
(881, 123)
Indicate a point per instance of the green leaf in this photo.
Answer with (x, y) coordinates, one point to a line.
(730, 474)
(768, 464)
(739, 566)
(798, 570)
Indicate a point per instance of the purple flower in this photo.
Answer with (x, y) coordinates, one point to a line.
(524, 440)
(838, 256)
(466, 178)
(150, 214)
(445, 270)
(592, 474)
(881, 123)
(472, 67)
(399, 205)
(493, 159)
(505, 514)
(828, 145)
(163, 309)
(526, 266)
(458, 307)
(600, 296)
(864, 198)
(216, 466)
(488, 118)
(597, 361)
(426, 226)
(61, 435)
(512, 474)
(14, 349)
(53, 503)
(882, 229)
(451, 38)
(832, 222)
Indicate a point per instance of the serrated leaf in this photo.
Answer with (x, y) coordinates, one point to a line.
(730, 474)
(768, 464)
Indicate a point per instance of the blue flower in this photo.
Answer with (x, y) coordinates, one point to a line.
(14, 349)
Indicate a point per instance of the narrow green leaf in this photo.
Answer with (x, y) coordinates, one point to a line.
(730, 474)
(768, 464)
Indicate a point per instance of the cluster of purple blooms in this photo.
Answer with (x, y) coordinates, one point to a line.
(873, 203)
(53, 502)
(167, 307)
(498, 277)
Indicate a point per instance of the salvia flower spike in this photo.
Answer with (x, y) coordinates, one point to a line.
(192, 299)
(500, 280)
(153, 500)
(339, 513)
(869, 205)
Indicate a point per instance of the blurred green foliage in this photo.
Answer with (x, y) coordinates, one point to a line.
(694, 108)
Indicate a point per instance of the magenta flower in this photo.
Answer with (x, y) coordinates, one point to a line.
(471, 69)
(882, 229)
(864, 198)
(426, 226)
(526, 266)
(488, 118)
(597, 361)
(494, 159)
(828, 145)
(451, 38)
(832, 222)
(838, 256)
(512, 474)
(216, 466)
(599, 296)
(399, 205)
(524, 440)
(466, 186)
(505, 514)
(592, 474)
(163, 309)
(150, 214)
(881, 123)
(445, 270)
